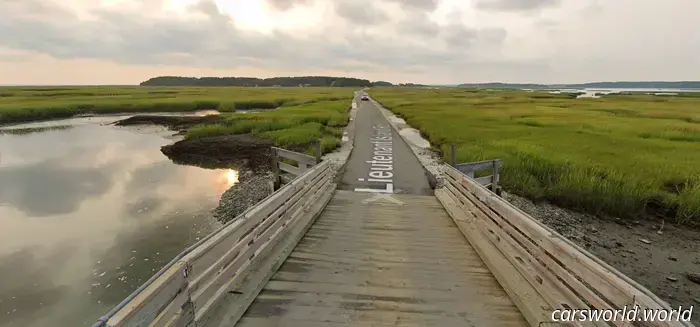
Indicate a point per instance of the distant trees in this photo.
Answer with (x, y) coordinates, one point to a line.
(382, 83)
(252, 81)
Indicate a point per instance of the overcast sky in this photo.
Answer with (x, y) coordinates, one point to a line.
(421, 41)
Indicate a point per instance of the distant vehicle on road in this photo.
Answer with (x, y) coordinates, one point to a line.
(364, 97)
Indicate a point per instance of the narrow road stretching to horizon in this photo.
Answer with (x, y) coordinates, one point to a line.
(381, 161)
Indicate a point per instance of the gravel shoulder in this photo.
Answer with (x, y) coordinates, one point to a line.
(660, 256)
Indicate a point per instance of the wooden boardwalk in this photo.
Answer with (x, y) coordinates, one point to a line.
(381, 263)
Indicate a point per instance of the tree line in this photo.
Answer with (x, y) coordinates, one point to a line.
(327, 81)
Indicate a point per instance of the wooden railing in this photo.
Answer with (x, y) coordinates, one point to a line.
(213, 282)
(470, 169)
(302, 163)
(539, 269)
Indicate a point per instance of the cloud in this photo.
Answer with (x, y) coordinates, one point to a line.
(516, 5)
(213, 40)
(429, 40)
(421, 5)
(360, 12)
(284, 5)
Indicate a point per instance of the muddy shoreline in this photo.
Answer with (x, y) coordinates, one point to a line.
(248, 155)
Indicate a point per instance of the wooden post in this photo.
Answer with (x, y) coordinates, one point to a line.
(494, 182)
(275, 171)
(453, 155)
(318, 151)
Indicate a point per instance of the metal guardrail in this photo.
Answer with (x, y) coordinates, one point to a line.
(191, 287)
(540, 269)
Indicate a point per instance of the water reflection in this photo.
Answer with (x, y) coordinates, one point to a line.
(232, 177)
(88, 214)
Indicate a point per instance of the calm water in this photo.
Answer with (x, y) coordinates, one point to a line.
(90, 212)
(591, 92)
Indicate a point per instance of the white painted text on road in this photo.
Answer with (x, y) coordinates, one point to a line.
(381, 169)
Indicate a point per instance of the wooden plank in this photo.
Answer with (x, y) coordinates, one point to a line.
(296, 171)
(205, 255)
(146, 306)
(228, 268)
(526, 261)
(210, 251)
(171, 313)
(485, 180)
(267, 241)
(298, 157)
(241, 244)
(601, 279)
(479, 165)
(356, 279)
(533, 254)
(531, 304)
(608, 284)
(206, 298)
(496, 176)
(539, 254)
(286, 178)
(233, 306)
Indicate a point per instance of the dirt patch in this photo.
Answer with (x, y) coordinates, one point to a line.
(177, 123)
(665, 263)
(228, 151)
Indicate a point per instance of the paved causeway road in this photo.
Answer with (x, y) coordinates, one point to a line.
(381, 161)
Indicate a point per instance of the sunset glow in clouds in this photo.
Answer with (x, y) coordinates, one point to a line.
(423, 41)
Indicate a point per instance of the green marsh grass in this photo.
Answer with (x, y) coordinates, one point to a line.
(23, 104)
(300, 115)
(622, 155)
(293, 126)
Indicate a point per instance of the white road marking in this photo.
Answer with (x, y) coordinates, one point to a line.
(386, 197)
(389, 189)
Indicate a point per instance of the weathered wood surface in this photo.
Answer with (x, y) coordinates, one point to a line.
(479, 165)
(469, 170)
(195, 287)
(291, 155)
(560, 274)
(383, 264)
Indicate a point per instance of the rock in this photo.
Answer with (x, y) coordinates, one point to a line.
(672, 258)
(594, 230)
(645, 241)
(693, 277)
(619, 244)
(671, 278)
(243, 195)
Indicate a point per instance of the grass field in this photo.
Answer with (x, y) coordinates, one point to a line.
(622, 155)
(303, 114)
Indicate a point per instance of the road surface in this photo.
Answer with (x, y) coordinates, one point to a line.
(381, 161)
